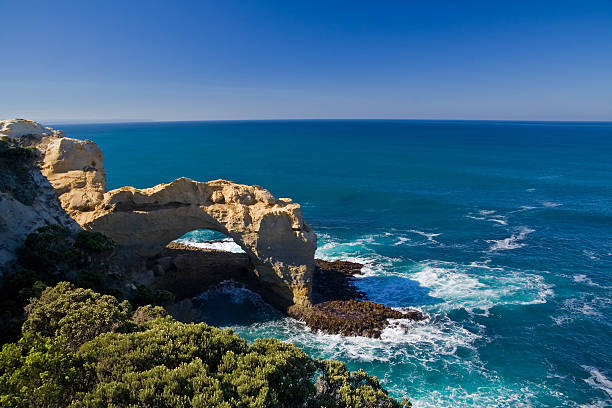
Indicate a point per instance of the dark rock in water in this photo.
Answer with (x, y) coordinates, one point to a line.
(345, 267)
(353, 317)
(334, 281)
(340, 308)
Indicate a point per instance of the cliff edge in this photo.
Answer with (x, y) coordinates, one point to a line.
(272, 232)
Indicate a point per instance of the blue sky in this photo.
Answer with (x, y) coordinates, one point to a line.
(200, 60)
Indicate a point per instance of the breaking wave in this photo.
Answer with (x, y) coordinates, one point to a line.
(512, 242)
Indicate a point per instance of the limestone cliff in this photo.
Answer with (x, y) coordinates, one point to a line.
(27, 199)
(272, 232)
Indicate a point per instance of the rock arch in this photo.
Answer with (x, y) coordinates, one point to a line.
(272, 232)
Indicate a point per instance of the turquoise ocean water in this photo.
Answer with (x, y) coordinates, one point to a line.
(501, 231)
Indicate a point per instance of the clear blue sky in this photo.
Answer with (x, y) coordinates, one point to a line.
(192, 60)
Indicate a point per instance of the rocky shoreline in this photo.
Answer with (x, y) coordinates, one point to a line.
(339, 307)
(278, 262)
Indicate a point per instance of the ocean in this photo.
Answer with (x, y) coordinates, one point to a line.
(500, 231)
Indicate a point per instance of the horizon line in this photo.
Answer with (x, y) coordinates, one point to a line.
(135, 121)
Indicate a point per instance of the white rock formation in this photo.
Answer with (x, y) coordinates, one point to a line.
(14, 128)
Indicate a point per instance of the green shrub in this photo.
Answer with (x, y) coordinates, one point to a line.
(147, 296)
(75, 313)
(48, 250)
(154, 361)
(14, 154)
(50, 255)
(15, 163)
(148, 313)
(43, 373)
(94, 241)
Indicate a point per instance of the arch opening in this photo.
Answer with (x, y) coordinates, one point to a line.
(200, 260)
(208, 239)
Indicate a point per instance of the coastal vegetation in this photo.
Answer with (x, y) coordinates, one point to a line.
(82, 349)
(15, 164)
(82, 325)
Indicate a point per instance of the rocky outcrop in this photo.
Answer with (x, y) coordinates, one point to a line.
(279, 244)
(340, 308)
(27, 199)
(334, 280)
(272, 232)
(16, 128)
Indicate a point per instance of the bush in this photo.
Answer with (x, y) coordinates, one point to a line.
(45, 373)
(94, 241)
(15, 163)
(50, 255)
(147, 296)
(148, 313)
(48, 250)
(154, 361)
(77, 314)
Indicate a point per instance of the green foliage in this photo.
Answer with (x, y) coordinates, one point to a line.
(40, 372)
(15, 164)
(83, 349)
(187, 385)
(146, 296)
(11, 151)
(94, 241)
(50, 255)
(77, 314)
(148, 313)
(269, 374)
(352, 388)
(48, 250)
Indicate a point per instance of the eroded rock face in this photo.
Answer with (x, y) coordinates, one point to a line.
(27, 199)
(272, 232)
(14, 128)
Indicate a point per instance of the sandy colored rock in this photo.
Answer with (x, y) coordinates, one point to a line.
(279, 244)
(272, 232)
(15, 128)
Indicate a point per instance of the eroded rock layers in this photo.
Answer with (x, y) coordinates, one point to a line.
(272, 232)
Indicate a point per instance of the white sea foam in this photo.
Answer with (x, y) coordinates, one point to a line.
(512, 242)
(226, 244)
(586, 305)
(360, 251)
(478, 287)
(498, 220)
(550, 204)
(429, 235)
(598, 380)
(399, 343)
(591, 255)
(581, 278)
(488, 215)
(401, 240)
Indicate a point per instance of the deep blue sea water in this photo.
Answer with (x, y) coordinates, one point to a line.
(501, 231)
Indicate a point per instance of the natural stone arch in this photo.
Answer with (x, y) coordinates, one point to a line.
(271, 232)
